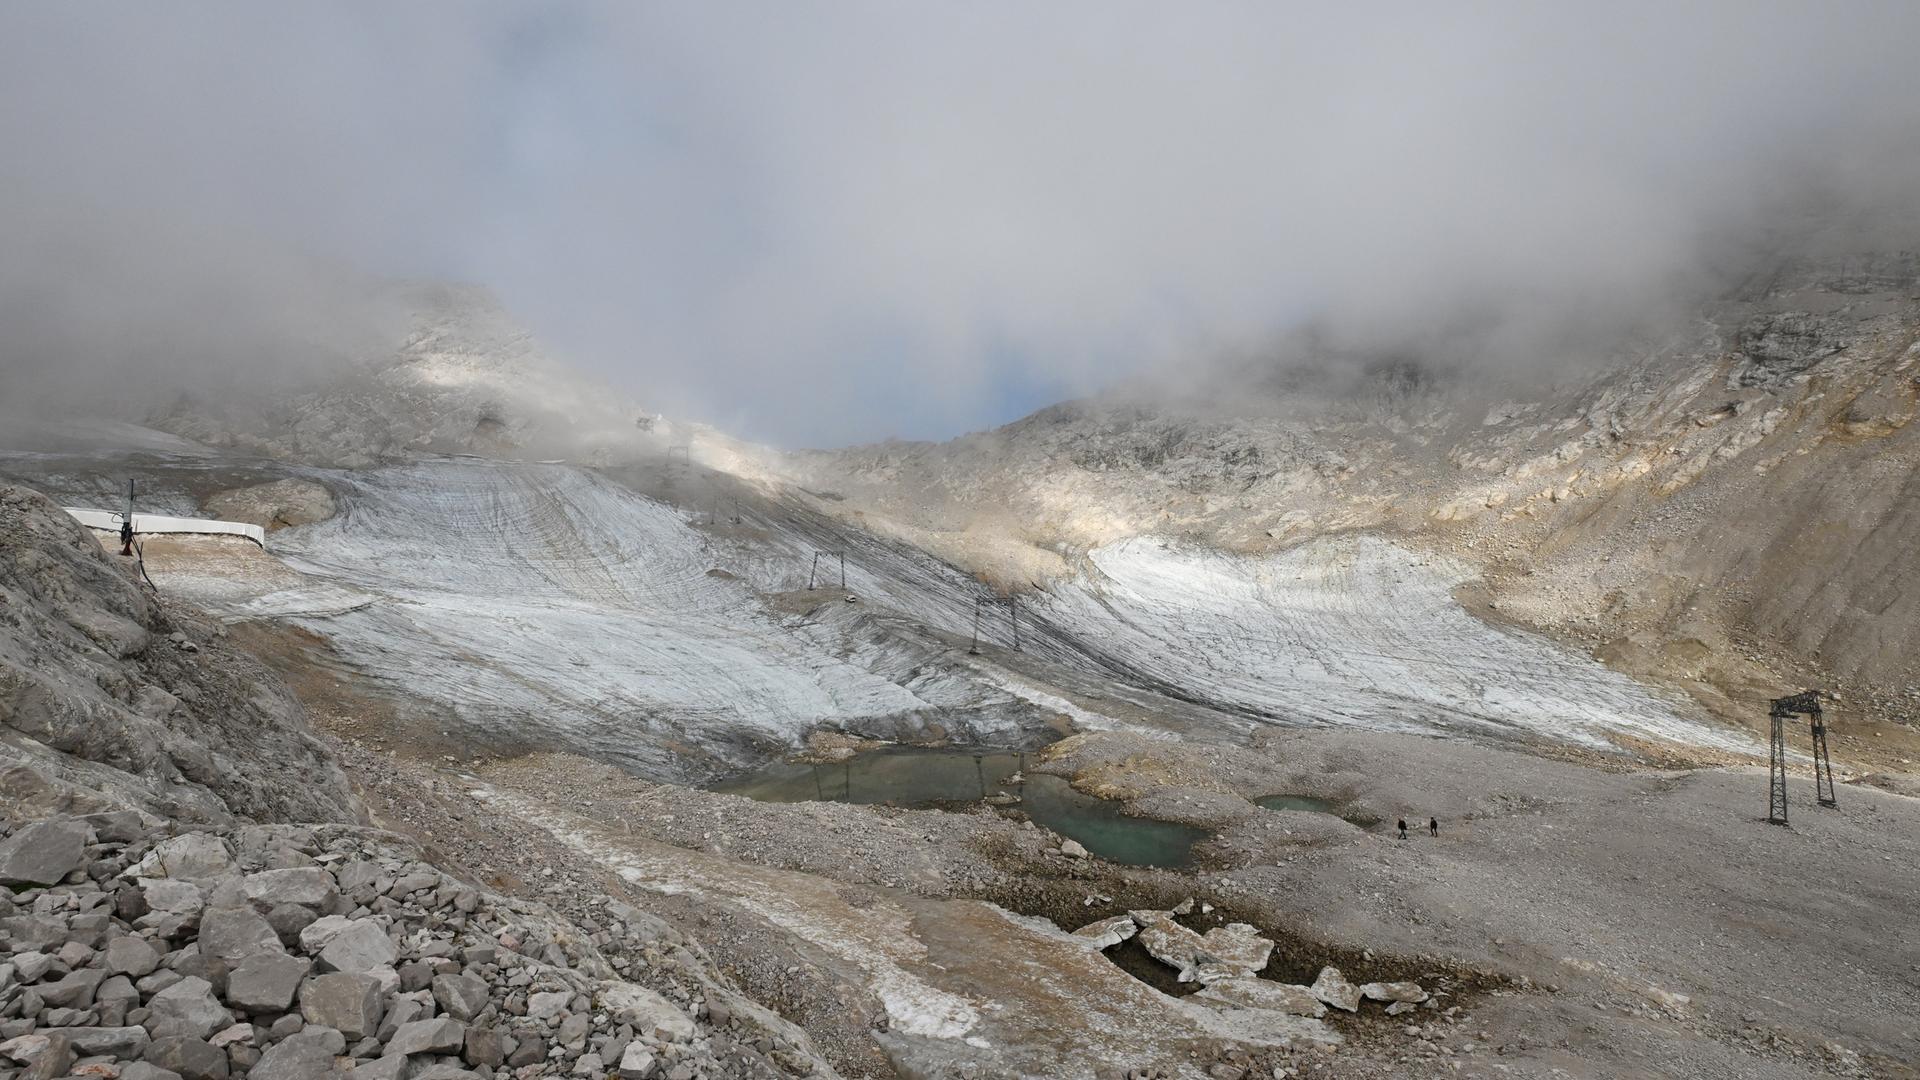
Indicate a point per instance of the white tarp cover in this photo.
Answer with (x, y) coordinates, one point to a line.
(109, 521)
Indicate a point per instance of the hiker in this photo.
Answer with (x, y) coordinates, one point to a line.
(126, 535)
(1403, 828)
(1433, 826)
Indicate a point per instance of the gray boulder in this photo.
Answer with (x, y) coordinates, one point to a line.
(55, 1058)
(1108, 932)
(647, 1011)
(174, 897)
(117, 826)
(266, 982)
(637, 1062)
(307, 886)
(460, 996)
(541, 1006)
(30, 932)
(131, 956)
(529, 1052)
(484, 1046)
(315, 935)
(359, 945)
(350, 1004)
(400, 1010)
(44, 852)
(75, 991)
(201, 858)
(193, 1059)
(115, 998)
(189, 1008)
(31, 966)
(230, 935)
(1408, 992)
(361, 874)
(417, 975)
(1257, 993)
(142, 1070)
(303, 1056)
(1334, 989)
(389, 1067)
(116, 1042)
(420, 878)
(288, 920)
(440, 1036)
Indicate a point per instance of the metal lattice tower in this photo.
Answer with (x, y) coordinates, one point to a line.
(814, 573)
(1823, 792)
(1777, 772)
(1805, 704)
(1011, 603)
(677, 467)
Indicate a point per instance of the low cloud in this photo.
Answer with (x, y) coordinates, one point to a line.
(826, 223)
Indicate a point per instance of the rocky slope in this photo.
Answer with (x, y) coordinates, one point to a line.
(1729, 508)
(108, 694)
(285, 952)
(152, 929)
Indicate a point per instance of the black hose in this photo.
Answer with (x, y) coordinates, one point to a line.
(140, 560)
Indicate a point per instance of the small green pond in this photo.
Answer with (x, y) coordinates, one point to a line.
(922, 779)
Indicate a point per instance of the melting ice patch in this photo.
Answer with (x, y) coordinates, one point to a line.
(1350, 630)
(534, 596)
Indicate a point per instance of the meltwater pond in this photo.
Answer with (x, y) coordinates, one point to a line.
(917, 778)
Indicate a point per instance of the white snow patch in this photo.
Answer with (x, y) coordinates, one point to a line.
(1350, 630)
(524, 595)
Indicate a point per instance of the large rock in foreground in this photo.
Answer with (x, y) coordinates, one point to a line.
(324, 954)
(111, 697)
(43, 853)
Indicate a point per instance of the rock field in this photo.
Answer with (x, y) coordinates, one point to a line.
(287, 952)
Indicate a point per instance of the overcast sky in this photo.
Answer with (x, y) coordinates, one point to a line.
(826, 222)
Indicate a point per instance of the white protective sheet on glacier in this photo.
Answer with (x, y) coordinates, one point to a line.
(1349, 630)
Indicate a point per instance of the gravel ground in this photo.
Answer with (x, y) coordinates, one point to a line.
(1675, 921)
(1603, 920)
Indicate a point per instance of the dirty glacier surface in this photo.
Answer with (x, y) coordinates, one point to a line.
(551, 606)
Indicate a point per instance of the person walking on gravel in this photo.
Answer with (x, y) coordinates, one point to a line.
(1403, 828)
(1433, 826)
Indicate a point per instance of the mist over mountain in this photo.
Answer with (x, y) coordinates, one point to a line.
(827, 226)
